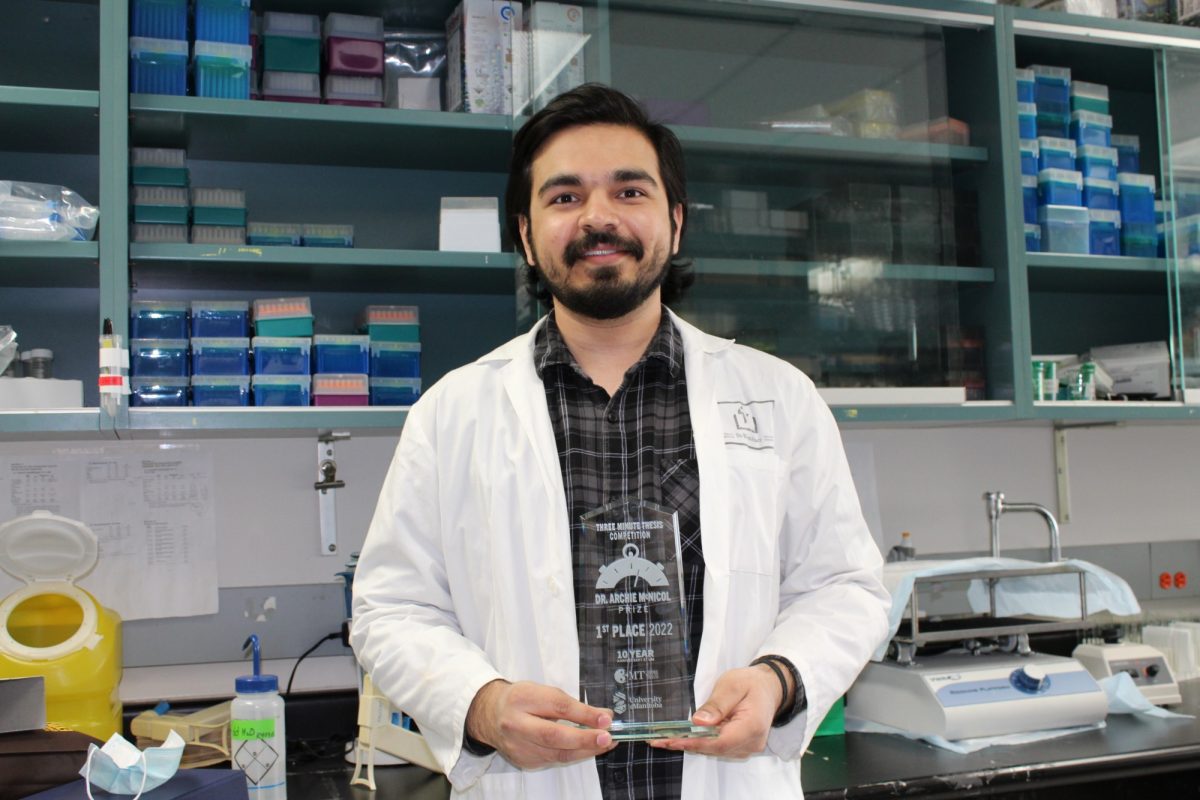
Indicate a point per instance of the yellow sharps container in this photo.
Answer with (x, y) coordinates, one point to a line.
(53, 628)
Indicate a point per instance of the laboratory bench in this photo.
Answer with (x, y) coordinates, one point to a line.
(1129, 758)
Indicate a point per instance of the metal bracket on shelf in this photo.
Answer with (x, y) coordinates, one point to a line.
(327, 482)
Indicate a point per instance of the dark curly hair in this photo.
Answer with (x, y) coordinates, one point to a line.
(595, 104)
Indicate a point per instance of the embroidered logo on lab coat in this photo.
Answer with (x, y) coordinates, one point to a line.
(749, 423)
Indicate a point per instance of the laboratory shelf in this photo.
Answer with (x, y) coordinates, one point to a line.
(50, 264)
(166, 266)
(1057, 272)
(1113, 411)
(734, 267)
(37, 423)
(1057, 24)
(38, 120)
(808, 146)
(985, 411)
(299, 420)
(305, 133)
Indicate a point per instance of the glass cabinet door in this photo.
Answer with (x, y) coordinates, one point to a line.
(1181, 226)
(845, 188)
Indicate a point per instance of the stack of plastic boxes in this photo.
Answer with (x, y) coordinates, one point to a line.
(158, 353)
(395, 344)
(221, 55)
(353, 50)
(158, 47)
(1026, 99)
(220, 352)
(282, 348)
(218, 216)
(340, 370)
(159, 194)
(1052, 94)
(291, 57)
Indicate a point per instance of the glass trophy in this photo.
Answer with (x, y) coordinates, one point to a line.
(633, 637)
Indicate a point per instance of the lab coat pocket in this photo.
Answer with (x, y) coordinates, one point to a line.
(755, 510)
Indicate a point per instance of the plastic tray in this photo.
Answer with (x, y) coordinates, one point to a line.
(158, 66)
(395, 391)
(395, 359)
(163, 391)
(281, 390)
(158, 233)
(1060, 187)
(223, 21)
(353, 90)
(341, 354)
(220, 390)
(273, 233)
(158, 319)
(221, 355)
(158, 357)
(327, 235)
(281, 355)
(1100, 194)
(1065, 229)
(220, 318)
(218, 234)
(340, 389)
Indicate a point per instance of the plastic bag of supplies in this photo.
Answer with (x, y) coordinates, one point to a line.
(44, 212)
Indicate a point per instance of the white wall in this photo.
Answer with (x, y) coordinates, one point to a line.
(1135, 483)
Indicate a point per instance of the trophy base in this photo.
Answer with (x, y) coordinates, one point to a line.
(644, 731)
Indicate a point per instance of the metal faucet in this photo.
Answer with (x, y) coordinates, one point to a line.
(997, 506)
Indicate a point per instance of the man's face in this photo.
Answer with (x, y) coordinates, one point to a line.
(600, 231)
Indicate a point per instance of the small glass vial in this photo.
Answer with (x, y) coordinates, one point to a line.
(256, 732)
(38, 363)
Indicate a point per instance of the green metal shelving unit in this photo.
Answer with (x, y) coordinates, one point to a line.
(104, 121)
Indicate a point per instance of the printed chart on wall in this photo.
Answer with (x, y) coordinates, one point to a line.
(151, 509)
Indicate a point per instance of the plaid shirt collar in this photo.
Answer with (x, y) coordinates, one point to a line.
(666, 346)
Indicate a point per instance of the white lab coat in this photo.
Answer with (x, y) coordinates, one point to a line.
(466, 574)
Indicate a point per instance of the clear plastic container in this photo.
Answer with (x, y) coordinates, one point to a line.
(352, 90)
(1136, 198)
(281, 390)
(395, 391)
(1060, 187)
(158, 358)
(221, 69)
(1056, 153)
(219, 207)
(1025, 86)
(340, 390)
(1029, 157)
(327, 235)
(1088, 127)
(220, 390)
(220, 318)
(390, 323)
(223, 21)
(281, 355)
(353, 45)
(283, 316)
(341, 353)
(1089, 97)
(291, 87)
(395, 359)
(1029, 197)
(53, 629)
(1033, 238)
(1129, 150)
(158, 319)
(166, 204)
(221, 355)
(1027, 120)
(291, 42)
(158, 66)
(158, 166)
(162, 391)
(1095, 161)
(1053, 125)
(1065, 229)
(159, 19)
(273, 233)
(218, 234)
(158, 233)
(1104, 232)
(1099, 193)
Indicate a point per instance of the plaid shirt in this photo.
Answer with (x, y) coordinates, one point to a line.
(637, 443)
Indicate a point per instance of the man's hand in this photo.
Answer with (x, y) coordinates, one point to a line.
(520, 721)
(743, 704)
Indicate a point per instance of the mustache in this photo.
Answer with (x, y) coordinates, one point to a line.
(591, 241)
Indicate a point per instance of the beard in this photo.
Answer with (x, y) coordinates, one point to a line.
(607, 297)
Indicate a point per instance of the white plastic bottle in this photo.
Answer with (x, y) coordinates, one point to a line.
(256, 733)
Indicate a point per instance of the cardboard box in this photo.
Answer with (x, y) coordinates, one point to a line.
(24, 704)
(469, 224)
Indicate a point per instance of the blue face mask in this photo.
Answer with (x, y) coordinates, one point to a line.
(120, 768)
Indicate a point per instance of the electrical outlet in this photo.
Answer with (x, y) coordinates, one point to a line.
(1174, 569)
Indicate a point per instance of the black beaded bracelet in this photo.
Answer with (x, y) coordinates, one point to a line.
(770, 662)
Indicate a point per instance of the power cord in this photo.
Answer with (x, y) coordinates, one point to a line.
(321, 641)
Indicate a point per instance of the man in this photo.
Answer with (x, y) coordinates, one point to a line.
(465, 594)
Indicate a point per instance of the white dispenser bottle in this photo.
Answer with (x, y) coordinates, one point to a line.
(256, 732)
